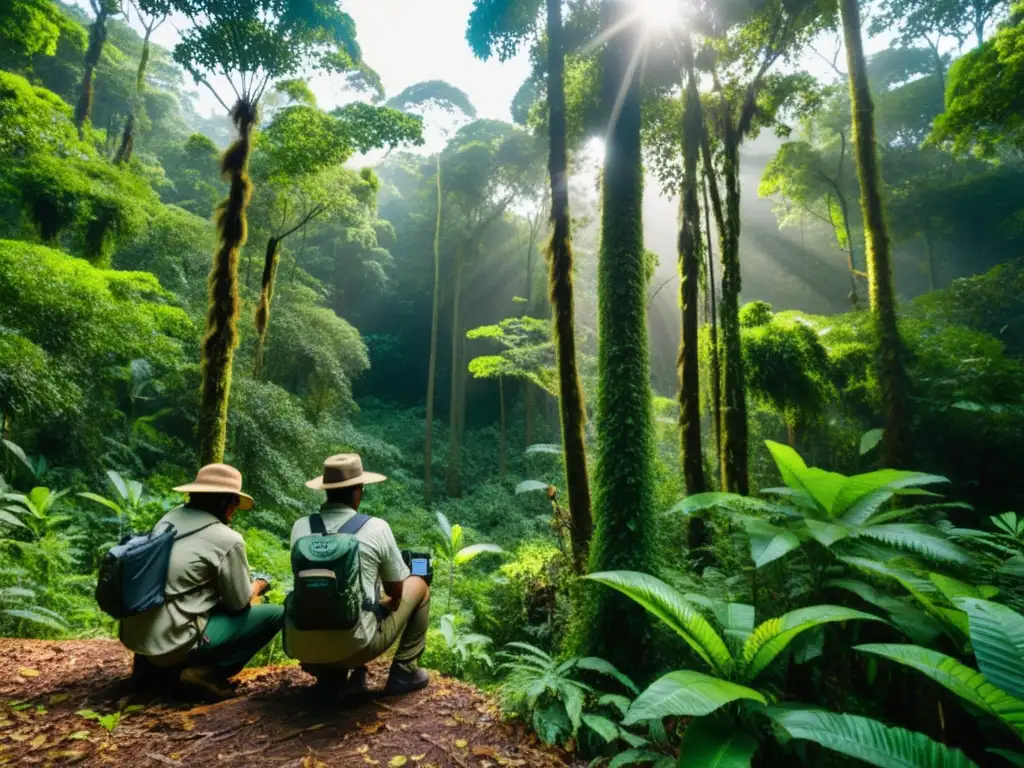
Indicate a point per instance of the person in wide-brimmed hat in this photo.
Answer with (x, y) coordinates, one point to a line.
(211, 622)
(403, 615)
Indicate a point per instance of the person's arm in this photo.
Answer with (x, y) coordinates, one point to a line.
(392, 570)
(236, 590)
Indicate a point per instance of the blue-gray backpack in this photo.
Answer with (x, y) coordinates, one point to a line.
(133, 573)
(328, 591)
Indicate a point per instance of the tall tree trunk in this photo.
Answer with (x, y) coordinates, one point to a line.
(457, 375)
(716, 371)
(735, 477)
(270, 260)
(124, 151)
(435, 320)
(503, 438)
(845, 209)
(560, 260)
(892, 375)
(97, 38)
(623, 478)
(222, 313)
(689, 249)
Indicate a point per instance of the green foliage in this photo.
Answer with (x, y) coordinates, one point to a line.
(983, 96)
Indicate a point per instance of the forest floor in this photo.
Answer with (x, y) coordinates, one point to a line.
(272, 722)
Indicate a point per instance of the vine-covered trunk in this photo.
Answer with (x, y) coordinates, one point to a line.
(623, 477)
(222, 312)
(454, 484)
(97, 39)
(560, 277)
(734, 412)
(270, 260)
(689, 247)
(716, 371)
(435, 321)
(892, 375)
(124, 151)
(689, 251)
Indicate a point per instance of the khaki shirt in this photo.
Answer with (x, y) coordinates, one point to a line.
(379, 560)
(207, 569)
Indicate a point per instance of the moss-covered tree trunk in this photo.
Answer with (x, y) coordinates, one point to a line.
(689, 251)
(560, 277)
(715, 363)
(124, 151)
(222, 313)
(435, 321)
(270, 260)
(623, 477)
(454, 484)
(97, 39)
(734, 459)
(892, 375)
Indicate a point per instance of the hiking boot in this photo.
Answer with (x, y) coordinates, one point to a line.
(356, 684)
(207, 682)
(406, 678)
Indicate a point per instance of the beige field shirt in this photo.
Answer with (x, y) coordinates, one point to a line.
(379, 560)
(207, 569)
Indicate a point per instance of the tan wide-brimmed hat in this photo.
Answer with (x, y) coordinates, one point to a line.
(343, 471)
(219, 478)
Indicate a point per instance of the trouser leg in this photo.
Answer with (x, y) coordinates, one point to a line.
(414, 636)
(409, 623)
(233, 639)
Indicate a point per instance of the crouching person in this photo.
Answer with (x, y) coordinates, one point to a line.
(211, 622)
(336, 619)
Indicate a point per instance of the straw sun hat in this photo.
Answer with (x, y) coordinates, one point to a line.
(219, 478)
(343, 471)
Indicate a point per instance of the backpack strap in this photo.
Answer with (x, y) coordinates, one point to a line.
(353, 524)
(317, 525)
(195, 530)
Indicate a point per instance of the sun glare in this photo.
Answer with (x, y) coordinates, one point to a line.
(658, 14)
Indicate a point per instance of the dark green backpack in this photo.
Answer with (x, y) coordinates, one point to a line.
(328, 592)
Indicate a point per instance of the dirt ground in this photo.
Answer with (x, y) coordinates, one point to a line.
(52, 695)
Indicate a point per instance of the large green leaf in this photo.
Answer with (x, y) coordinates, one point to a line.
(912, 621)
(969, 684)
(790, 465)
(669, 606)
(771, 637)
(602, 726)
(997, 634)
(102, 500)
(34, 616)
(689, 693)
(868, 740)
(919, 538)
(768, 542)
(595, 664)
(1013, 758)
(863, 495)
(466, 554)
(826, 532)
(710, 743)
(8, 517)
(699, 502)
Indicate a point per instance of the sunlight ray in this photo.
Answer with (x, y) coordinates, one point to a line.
(638, 55)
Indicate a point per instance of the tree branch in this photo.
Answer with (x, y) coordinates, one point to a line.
(314, 212)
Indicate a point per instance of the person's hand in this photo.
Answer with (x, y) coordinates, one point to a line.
(259, 588)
